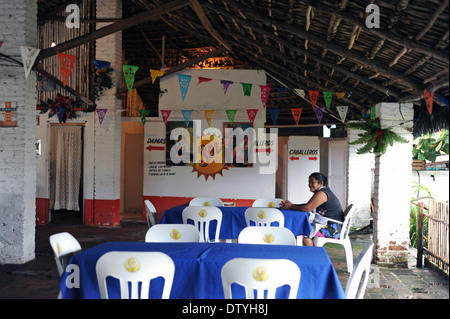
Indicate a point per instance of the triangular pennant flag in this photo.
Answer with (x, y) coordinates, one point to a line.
(441, 99)
(373, 113)
(251, 115)
(101, 114)
(187, 116)
(429, 100)
(274, 115)
(247, 87)
(342, 112)
(155, 73)
(128, 72)
(143, 114)
(280, 93)
(165, 115)
(66, 63)
(1, 43)
(226, 84)
(202, 79)
(107, 122)
(29, 55)
(208, 116)
(99, 64)
(340, 95)
(265, 89)
(313, 95)
(328, 96)
(319, 113)
(297, 112)
(184, 81)
(231, 115)
(300, 92)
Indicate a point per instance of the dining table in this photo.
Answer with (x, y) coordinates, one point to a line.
(233, 220)
(198, 269)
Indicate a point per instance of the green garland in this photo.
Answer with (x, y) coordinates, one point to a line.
(375, 138)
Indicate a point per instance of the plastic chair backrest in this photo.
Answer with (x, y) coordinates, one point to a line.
(266, 235)
(137, 268)
(206, 201)
(260, 276)
(348, 213)
(202, 216)
(63, 244)
(267, 202)
(263, 216)
(150, 210)
(181, 233)
(362, 267)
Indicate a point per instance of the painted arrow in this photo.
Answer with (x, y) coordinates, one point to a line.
(292, 158)
(312, 158)
(155, 148)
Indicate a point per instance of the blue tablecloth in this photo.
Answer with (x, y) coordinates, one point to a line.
(233, 220)
(198, 267)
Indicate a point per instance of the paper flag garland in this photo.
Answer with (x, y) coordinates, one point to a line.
(165, 115)
(155, 73)
(226, 84)
(247, 87)
(340, 95)
(274, 115)
(184, 81)
(280, 93)
(202, 79)
(101, 114)
(29, 55)
(99, 64)
(373, 113)
(429, 100)
(208, 116)
(342, 112)
(1, 43)
(66, 63)
(143, 114)
(231, 115)
(251, 115)
(265, 89)
(313, 95)
(297, 112)
(319, 113)
(328, 96)
(129, 71)
(187, 116)
(442, 99)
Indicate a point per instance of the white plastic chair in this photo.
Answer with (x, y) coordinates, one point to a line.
(343, 240)
(150, 210)
(267, 202)
(356, 288)
(135, 267)
(206, 201)
(260, 275)
(202, 216)
(266, 235)
(181, 233)
(264, 216)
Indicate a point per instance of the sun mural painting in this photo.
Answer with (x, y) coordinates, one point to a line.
(210, 150)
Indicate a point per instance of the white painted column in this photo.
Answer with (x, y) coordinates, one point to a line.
(18, 25)
(392, 188)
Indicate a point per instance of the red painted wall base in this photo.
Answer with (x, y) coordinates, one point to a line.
(102, 212)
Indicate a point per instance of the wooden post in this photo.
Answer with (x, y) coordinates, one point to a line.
(420, 235)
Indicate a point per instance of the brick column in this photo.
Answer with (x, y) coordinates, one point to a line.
(104, 208)
(359, 181)
(18, 24)
(392, 188)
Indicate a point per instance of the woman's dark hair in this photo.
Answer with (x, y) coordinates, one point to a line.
(320, 178)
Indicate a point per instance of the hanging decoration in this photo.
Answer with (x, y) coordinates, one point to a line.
(328, 96)
(202, 79)
(342, 112)
(265, 89)
(66, 64)
(340, 95)
(165, 115)
(64, 107)
(313, 95)
(156, 73)
(247, 88)
(102, 78)
(442, 99)
(29, 55)
(319, 113)
(226, 84)
(251, 115)
(274, 115)
(280, 93)
(297, 112)
(231, 114)
(184, 81)
(429, 100)
(187, 116)
(129, 72)
(101, 114)
(375, 138)
(143, 114)
(373, 113)
(208, 116)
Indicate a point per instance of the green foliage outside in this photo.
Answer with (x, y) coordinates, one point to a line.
(413, 231)
(430, 146)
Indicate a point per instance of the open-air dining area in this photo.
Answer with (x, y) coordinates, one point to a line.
(215, 150)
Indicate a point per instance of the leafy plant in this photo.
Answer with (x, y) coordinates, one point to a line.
(102, 81)
(430, 146)
(414, 211)
(375, 138)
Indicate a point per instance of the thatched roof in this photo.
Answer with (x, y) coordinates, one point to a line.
(307, 45)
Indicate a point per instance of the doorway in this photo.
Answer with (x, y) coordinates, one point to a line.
(66, 173)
